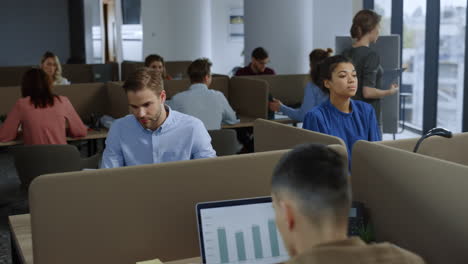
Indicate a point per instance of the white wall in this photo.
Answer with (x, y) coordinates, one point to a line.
(332, 18)
(176, 29)
(226, 54)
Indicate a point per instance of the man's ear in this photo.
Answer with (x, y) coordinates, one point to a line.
(162, 96)
(288, 214)
(206, 78)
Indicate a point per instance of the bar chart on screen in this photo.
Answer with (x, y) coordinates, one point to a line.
(242, 234)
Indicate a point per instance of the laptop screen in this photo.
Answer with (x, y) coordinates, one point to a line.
(240, 231)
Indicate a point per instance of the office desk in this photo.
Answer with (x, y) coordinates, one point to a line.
(91, 138)
(196, 260)
(20, 226)
(246, 121)
(93, 135)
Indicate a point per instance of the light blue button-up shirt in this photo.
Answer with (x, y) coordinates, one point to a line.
(210, 106)
(180, 137)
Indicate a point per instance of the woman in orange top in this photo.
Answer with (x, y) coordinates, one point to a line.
(44, 116)
(157, 63)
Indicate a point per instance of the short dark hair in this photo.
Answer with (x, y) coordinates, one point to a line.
(144, 78)
(317, 177)
(153, 57)
(364, 22)
(325, 69)
(38, 86)
(259, 53)
(198, 69)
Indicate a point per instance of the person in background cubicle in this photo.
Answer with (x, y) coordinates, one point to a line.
(153, 133)
(210, 106)
(340, 116)
(313, 95)
(157, 63)
(42, 115)
(312, 199)
(258, 64)
(50, 63)
(364, 31)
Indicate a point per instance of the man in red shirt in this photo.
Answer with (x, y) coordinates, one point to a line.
(258, 64)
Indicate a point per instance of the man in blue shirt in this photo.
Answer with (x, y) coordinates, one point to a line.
(153, 133)
(210, 106)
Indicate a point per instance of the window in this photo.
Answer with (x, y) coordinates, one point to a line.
(451, 64)
(412, 85)
(384, 8)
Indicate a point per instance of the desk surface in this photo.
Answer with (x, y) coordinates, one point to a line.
(244, 122)
(20, 226)
(93, 134)
(196, 260)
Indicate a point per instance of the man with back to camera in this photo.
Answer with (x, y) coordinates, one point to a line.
(153, 133)
(312, 198)
(258, 64)
(210, 106)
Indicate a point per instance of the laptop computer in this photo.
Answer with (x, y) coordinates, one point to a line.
(239, 231)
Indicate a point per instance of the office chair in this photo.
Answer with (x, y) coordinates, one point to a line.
(224, 141)
(34, 160)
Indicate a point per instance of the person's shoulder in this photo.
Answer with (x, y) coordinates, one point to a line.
(179, 95)
(123, 121)
(23, 100)
(312, 86)
(400, 255)
(269, 71)
(184, 119)
(318, 111)
(216, 92)
(62, 98)
(243, 71)
(362, 106)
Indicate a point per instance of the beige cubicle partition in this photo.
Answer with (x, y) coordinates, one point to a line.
(249, 97)
(415, 201)
(127, 68)
(12, 75)
(289, 89)
(130, 214)
(453, 149)
(117, 106)
(270, 135)
(8, 96)
(86, 98)
(78, 73)
(177, 69)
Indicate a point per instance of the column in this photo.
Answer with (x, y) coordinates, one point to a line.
(284, 29)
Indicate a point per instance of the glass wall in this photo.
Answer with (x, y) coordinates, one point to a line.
(451, 64)
(384, 8)
(412, 85)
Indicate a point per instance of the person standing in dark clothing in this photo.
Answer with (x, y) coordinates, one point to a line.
(364, 31)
